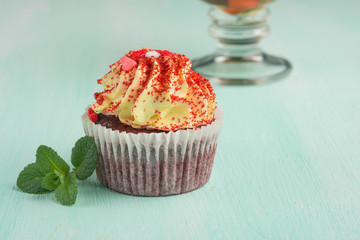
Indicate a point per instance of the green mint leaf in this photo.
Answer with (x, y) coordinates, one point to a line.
(29, 179)
(51, 181)
(67, 190)
(48, 161)
(84, 156)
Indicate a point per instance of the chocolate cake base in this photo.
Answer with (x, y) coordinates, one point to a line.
(114, 123)
(151, 162)
(143, 175)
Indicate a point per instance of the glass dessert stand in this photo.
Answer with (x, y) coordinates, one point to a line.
(238, 58)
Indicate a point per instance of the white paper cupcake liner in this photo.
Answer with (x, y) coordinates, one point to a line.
(155, 164)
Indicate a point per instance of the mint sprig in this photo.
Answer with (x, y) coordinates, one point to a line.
(83, 157)
(67, 190)
(50, 172)
(30, 179)
(48, 160)
(51, 181)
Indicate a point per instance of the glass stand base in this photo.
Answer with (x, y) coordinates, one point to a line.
(255, 69)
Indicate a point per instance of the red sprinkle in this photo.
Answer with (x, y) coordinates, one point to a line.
(138, 53)
(167, 53)
(92, 115)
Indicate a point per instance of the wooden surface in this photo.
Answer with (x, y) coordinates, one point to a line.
(288, 160)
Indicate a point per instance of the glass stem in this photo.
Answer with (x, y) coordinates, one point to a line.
(238, 34)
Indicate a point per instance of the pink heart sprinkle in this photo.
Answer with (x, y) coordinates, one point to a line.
(127, 63)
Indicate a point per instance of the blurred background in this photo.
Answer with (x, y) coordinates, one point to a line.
(61, 48)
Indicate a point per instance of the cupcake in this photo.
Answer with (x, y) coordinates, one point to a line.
(156, 125)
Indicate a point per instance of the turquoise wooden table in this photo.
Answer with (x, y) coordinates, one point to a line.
(287, 164)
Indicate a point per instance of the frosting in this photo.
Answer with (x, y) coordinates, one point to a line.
(156, 89)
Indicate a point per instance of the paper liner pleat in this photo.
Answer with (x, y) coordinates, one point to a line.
(155, 164)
